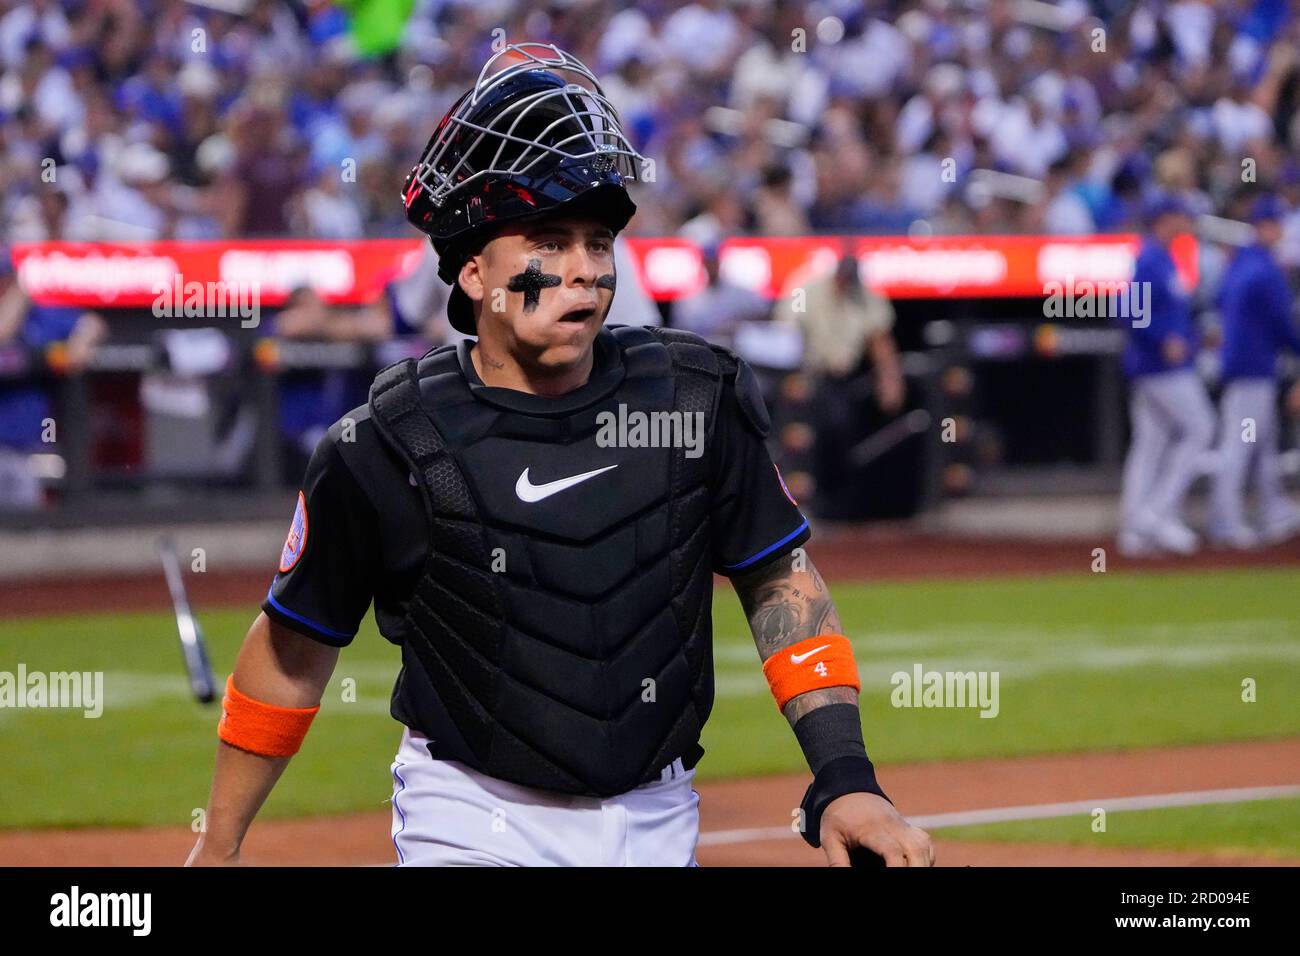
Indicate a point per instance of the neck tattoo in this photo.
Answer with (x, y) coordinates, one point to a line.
(531, 283)
(607, 281)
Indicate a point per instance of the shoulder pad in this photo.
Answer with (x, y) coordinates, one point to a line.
(346, 425)
(748, 394)
(388, 378)
(435, 357)
(688, 349)
(695, 351)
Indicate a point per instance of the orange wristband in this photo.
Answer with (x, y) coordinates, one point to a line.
(263, 729)
(822, 661)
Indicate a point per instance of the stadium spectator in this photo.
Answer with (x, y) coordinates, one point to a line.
(328, 210)
(41, 20)
(724, 215)
(268, 170)
(251, 102)
(48, 215)
(776, 211)
(63, 337)
(417, 302)
(704, 36)
(1064, 210)
(718, 309)
(311, 400)
(41, 83)
(770, 67)
(136, 203)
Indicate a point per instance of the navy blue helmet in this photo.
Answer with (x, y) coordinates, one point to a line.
(534, 137)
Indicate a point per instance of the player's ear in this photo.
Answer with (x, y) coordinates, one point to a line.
(471, 277)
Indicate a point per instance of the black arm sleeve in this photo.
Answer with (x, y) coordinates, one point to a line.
(325, 579)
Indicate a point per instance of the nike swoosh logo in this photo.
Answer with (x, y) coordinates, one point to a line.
(529, 492)
(800, 658)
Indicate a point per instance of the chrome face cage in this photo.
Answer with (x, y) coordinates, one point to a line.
(600, 134)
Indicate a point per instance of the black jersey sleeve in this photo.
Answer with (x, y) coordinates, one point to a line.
(324, 582)
(754, 518)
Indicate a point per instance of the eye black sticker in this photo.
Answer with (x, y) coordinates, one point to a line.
(607, 281)
(531, 282)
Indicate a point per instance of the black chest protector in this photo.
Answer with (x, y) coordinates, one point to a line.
(567, 632)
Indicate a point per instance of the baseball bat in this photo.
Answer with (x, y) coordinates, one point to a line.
(882, 440)
(193, 647)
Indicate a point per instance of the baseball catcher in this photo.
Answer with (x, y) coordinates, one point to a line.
(536, 513)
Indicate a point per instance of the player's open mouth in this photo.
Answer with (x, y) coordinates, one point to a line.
(578, 315)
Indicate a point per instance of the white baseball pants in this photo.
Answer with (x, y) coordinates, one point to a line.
(1246, 402)
(1173, 425)
(447, 814)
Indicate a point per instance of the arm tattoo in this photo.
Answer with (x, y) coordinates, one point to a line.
(784, 607)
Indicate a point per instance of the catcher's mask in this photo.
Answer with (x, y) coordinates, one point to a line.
(534, 137)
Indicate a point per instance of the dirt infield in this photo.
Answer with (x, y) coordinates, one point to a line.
(847, 553)
(741, 819)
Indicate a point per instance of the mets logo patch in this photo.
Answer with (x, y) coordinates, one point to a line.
(296, 542)
(783, 487)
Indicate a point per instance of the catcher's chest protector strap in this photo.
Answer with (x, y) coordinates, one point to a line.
(568, 636)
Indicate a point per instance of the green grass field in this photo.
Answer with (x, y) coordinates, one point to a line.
(1257, 828)
(1085, 662)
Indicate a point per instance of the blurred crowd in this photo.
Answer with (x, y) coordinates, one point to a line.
(208, 119)
(144, 119)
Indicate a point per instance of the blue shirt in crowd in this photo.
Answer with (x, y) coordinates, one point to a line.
(24, 406)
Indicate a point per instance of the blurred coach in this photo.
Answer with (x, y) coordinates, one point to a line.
(1257, 324)
(846, 328)
(1173, 420)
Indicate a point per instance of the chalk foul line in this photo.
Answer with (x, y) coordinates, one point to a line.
(1037, 811)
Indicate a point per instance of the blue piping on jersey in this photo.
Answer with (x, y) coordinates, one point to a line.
(768, 550)
(270, 597)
